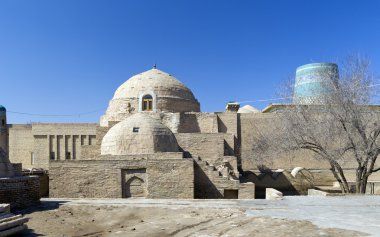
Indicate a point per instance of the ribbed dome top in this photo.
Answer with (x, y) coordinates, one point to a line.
(2, 109)
(163, 84)
(138, 134)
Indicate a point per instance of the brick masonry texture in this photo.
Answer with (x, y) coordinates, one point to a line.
(20, 191)
(103, 178)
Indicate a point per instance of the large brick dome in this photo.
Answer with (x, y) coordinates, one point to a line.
(153, 91)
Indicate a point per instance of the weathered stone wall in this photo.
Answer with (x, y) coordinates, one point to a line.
(230, 145)
(170, 120)
(247, 190)
(209, 147)
(43, 178)
(251, 124)
(60, 142)
(198, 123)
(88, 178)
(228, 123)
(21, 144)
(171, 104)
(166, 178)
(100, 133)
(64, 128)
(34, 145)
(266, 123)
(170, 178)
(20, 191)
(90, 152)
(41, 152)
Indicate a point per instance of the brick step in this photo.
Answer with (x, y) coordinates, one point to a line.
(9, 223)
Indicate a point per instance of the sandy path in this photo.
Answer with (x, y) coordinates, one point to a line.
(125, 220)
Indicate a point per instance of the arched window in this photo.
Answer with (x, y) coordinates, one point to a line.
(147, 103)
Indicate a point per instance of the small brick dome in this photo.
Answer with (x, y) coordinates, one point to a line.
(138, 134)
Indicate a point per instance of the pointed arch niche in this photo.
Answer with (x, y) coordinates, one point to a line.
(133, 183)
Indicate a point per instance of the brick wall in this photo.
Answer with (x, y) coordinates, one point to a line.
(209, 147)
(20, 191)
(90, 152)
(228, 123)
(100, 133)
(47, 140)
(266, 124)
(198, 123)
(43, 178)
(103, 178)
(21, 144)
(250, 125)
(170, 178)
(88, 178)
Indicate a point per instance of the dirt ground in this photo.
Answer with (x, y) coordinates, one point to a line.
(107, 220)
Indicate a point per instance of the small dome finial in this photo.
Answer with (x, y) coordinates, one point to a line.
(155, 66)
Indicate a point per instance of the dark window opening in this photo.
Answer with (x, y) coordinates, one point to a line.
(231, 194)
(52, 155)
(68, 155)
(2, 122)
(136, 129)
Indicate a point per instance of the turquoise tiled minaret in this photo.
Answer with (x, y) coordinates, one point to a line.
(313, 82)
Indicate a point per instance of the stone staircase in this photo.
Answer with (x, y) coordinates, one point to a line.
(9, 223)
(220, 180)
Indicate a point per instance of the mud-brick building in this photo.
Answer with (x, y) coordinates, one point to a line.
(153, 141)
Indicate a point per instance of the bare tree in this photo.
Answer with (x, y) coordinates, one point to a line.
(341, 128)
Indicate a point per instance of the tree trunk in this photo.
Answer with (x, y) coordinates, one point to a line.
(364, 182)
(339, 176)
(343, 178)
(358, 181)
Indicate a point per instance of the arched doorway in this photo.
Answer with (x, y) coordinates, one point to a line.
(134, 187)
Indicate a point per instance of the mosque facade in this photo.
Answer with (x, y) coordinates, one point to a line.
(154, 142)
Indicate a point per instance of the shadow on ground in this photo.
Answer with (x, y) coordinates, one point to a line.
(44, 206)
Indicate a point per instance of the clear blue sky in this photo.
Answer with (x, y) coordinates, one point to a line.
(69, 56)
